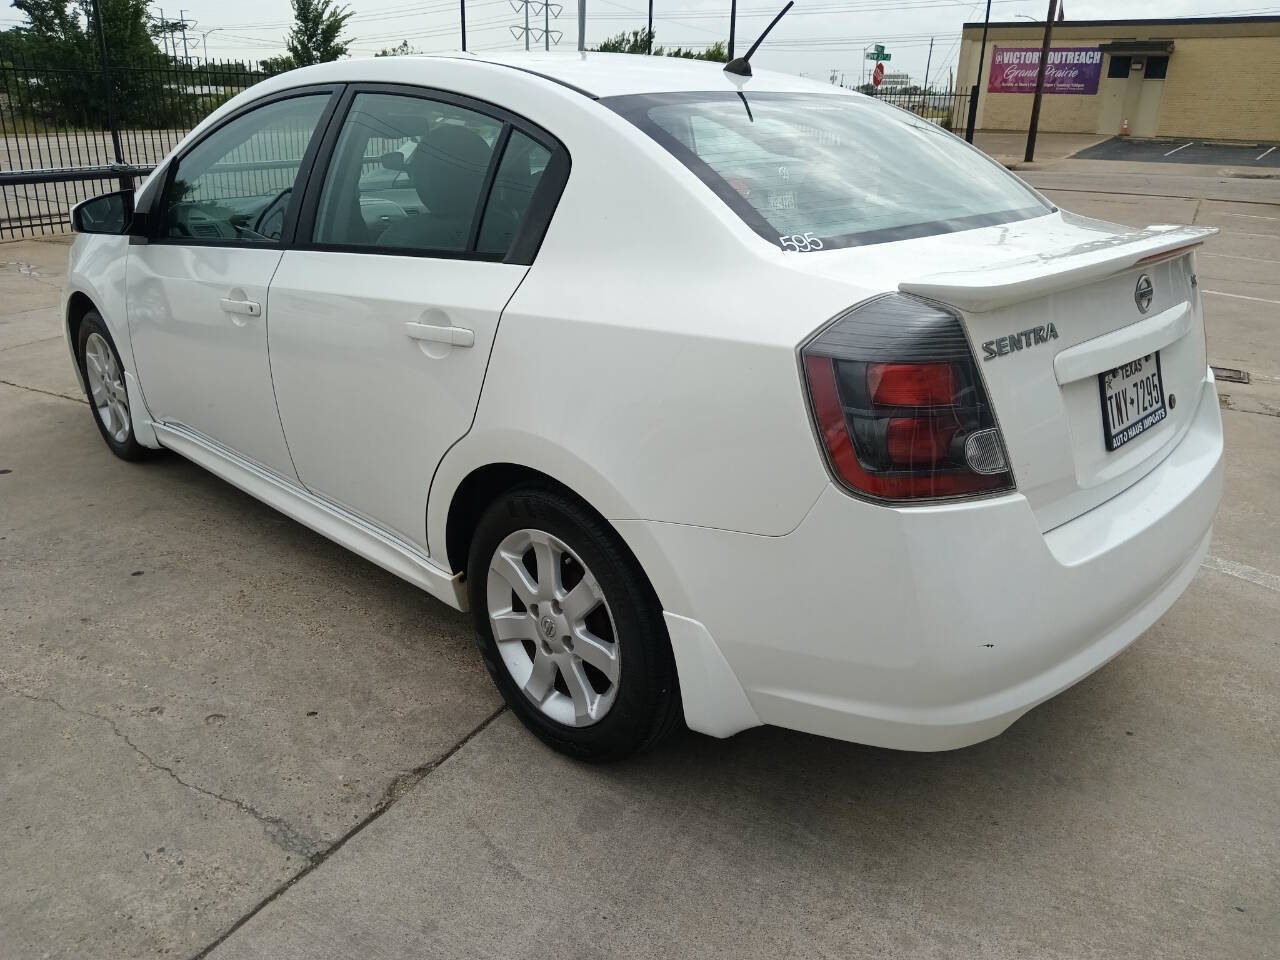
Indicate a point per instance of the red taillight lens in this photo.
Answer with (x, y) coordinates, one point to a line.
(899, 404)
(911, 384)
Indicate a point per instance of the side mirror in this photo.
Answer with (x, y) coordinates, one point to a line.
(110, 213)
(393, 160)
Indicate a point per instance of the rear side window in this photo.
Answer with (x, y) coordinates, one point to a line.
(819, 171)
(523, 164)
(407, 174)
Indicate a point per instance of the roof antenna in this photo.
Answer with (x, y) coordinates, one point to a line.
(742, 65)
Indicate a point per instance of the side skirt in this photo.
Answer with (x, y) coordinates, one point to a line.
(377, 546)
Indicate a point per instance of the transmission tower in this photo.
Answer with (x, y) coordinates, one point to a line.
(548, 11)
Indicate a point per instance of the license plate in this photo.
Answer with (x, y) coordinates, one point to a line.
(1132, 400)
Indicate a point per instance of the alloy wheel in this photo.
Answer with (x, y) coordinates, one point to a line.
(553, 627)
(106, 387)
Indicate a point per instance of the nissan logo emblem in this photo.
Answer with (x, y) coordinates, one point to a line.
(1143, 293)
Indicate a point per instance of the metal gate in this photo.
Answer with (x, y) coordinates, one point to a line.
(68, 134)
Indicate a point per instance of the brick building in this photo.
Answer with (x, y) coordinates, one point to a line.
(1202, 78)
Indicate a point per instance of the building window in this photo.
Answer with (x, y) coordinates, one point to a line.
(1119, 67)
(1157, 67)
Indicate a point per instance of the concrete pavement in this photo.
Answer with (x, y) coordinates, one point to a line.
(226, 737)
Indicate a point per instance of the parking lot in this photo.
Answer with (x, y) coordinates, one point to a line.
(1214, 152)
(226, 737)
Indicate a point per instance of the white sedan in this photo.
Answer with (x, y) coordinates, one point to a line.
(717, 399)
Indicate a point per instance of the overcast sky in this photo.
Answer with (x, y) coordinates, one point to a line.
(815, 38)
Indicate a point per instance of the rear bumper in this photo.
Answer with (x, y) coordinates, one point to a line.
(936, 627)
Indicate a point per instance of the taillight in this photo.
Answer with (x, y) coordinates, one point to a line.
(900, 406)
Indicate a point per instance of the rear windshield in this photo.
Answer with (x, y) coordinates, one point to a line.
(820, 171)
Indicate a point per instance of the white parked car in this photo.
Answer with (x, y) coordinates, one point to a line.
(718, 399)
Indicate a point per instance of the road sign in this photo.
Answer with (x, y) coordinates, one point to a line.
(877, 74)
(877, 53)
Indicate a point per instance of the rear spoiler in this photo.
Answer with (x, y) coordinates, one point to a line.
(1047, 273)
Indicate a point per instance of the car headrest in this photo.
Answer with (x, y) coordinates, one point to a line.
(448, 169)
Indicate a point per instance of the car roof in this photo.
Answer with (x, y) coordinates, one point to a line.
(593, 74)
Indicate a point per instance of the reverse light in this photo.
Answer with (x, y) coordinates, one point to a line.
(900, 405)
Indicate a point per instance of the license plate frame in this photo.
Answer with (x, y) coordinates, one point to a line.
(1119, 387)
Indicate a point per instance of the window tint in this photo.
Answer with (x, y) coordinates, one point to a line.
(817, 171)
(1157, 67)
(235, 184)
(1119, 67)
(407, 174)
(523, 164)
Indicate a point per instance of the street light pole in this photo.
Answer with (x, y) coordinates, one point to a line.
(463, 12)
(204, 41)
(582, 26)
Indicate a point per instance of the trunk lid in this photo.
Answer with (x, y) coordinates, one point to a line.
(1049, 305)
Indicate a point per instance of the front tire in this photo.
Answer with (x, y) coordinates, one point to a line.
(104, 380)
(569, 627)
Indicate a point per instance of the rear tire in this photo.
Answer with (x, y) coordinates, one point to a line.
(569, 627)
(104, 380)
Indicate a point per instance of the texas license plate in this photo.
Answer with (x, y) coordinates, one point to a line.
(1132, 399)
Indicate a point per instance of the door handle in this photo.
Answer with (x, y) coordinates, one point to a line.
(454, 336)
(245, 308)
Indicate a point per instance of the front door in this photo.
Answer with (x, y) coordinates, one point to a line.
(383, 318)
(198, 288)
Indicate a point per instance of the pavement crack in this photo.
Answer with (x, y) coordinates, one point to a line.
(398, 787)
(47, 393)
(27, 343)
(277, 829)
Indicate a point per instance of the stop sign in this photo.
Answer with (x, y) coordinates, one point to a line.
(877, 74)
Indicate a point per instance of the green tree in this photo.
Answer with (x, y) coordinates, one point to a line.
(59, 62)
(402, 49)
(641, 41)
(316, 36)
(274, 65)
(717, 52)
(637, 41)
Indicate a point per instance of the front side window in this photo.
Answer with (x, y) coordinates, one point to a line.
(820, 171)
(410, 174)
(236, 184)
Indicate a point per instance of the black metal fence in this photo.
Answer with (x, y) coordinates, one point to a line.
(947, 108)
(57, 146)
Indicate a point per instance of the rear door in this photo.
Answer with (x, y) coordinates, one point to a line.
(198, 287)
(384, 314)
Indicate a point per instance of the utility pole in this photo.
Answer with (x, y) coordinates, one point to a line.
(733, 24)
(463, 9)
(650, 26)
(182, 18)
(973, 93)
(526, 26)
(927, 64)
(1044, 64)
(164, 33)
(582, 26)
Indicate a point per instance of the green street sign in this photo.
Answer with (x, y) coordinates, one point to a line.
(878, 53)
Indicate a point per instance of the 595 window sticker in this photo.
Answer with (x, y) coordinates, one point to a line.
(800, 243)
